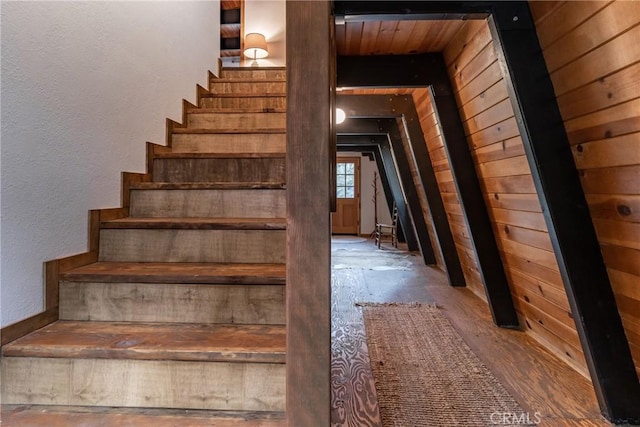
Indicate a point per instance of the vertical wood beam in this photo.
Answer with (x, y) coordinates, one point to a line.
(473, 205)
(566, 212)
(391, 127)
(309, 137)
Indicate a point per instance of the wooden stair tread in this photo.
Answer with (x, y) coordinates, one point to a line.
(231, 130)
(250, 80)
(207, 186)
(243, 94)
(261, 68)
(64, 416)
(236, 110)
(200, 155)
(197, 223)
(195, 273)
(153, 341)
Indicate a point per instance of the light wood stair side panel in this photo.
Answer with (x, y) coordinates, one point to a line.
(144, 383)
(247, 73)
(193, 246)
(275, 101)
(153, 341)
(174, 303)
(230, 143)
(220, 86)
(65, 416)
(244, 121)
(235, 203)
(219, 170)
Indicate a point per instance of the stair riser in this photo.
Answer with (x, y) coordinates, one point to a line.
(247, 121)
(248, 87)
(244, 102)
(172, 303)
(208, 203)
(219, 170)
(253, 74)
(230, 143)
(243, 246)
(143, 383)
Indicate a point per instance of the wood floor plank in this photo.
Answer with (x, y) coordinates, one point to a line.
(537, 379)
(153, 341)
(223, 273)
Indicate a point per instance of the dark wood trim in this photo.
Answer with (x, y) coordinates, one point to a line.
(309, 159)
(359, 11)
(392, 127)
(403, 105)
(386, 70)
(566, 212)
(19, 329)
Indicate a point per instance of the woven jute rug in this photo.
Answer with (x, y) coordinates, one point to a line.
(425, 374)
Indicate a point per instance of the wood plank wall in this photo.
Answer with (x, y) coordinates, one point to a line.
(593, 56)
(505, 178)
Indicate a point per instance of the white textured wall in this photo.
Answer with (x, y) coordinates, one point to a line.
(84, 86)
(367, 216)
(269, 18)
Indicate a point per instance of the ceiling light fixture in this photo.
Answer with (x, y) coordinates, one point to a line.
(340, 115)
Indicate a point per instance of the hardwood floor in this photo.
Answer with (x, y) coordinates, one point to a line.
(538, 380)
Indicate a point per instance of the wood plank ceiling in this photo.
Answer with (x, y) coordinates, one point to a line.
(394, 37)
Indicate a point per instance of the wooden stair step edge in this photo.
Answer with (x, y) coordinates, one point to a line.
(153, 341)
(230, 130)
(188, 273)
(247, 80)
(65, 416)
(236, 110)
(225, 155)
(243, 95)
(208, 186)
(197, 223)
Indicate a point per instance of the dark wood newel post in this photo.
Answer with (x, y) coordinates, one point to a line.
(309, 159)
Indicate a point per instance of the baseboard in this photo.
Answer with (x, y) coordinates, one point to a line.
(23, 327)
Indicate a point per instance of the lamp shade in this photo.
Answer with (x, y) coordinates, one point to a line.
(255, 46)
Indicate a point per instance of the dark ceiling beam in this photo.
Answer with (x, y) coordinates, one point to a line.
(395, 106)
(566, 213)
(386, 70)
(362, 11)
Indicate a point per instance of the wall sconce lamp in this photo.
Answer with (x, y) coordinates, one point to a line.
(340, 116)
(255, 47)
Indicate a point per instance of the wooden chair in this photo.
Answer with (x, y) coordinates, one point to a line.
(388, 231)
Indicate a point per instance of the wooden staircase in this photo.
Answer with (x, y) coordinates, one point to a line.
(181, 319)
